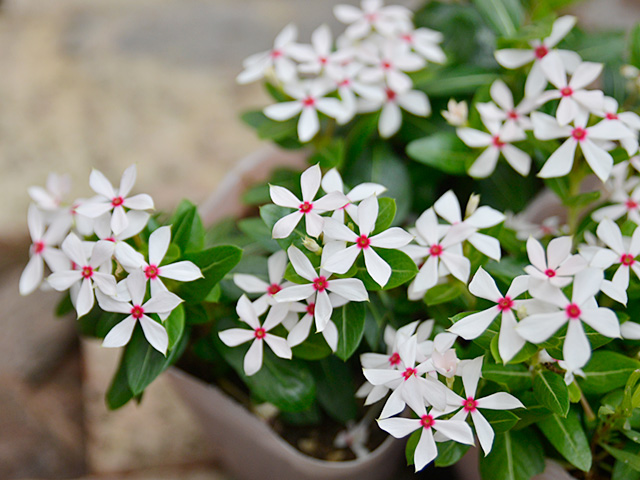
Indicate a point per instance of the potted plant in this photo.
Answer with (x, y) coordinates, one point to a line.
(468, 267)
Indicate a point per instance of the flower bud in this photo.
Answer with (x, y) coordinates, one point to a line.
(456, 113)
(472, 204)
(311, 245)
(445, 363)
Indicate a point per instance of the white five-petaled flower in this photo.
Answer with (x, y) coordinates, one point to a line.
(308, 208)
(504, 110)
(348, 84)
(114, 200)
(317, 291)
(555, 269)
(154, 332)
(137, 220)
(299, 332)
(424, 42)
(388, 65)
(373, 16)
(43, 249)
(572, 94)
(470, 404)
(278, 59)
(332, 182)
(546, 127)
(472, 326)
(51, 197)
(516, 58)
(426, 450)
(318, 56)
(582, 307)
(630, 119)
(364, 242)
(624, 203)
(84, 272)
(258, 333)
(498, 141)
(276, 266)
(622, 251)
(309, 99)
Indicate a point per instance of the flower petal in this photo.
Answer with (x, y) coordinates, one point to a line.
(473, 325)
(184, 271)
(379, 270)
(142, 201)
(85, 300)
(32, 274)
(120, 335)
(253, 359)
(155, 334)
(278, 345)
(560, 162)
(286, 225)
(576, 349)
(350, 288)
(539, 327)
(101, 185)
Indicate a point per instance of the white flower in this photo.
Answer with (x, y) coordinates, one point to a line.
(257, 65)
(154, 332)
(554, 269)
(348, 85)
(472, 326)
(389, 64)
(276, 265)
(516, 58)
(572, 94)
(497, 142)
(42, 250)
(110, 199)
(332, 182)
(309, 99)
(318, 57)
(137, 220)
(320, 284)
(84, 272)
(457, 113)
(505, 111)
(625, 204)
(424, 42)
(538, 328)
(366, 217)
(51, 198)
(546, 127)
(373, 16)
(354, 437)
(426, 450)
(630, 119)
(299, 332)
(258, 333)
(308, 208)
(470, 404)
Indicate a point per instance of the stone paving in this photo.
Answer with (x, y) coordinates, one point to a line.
(91, 83)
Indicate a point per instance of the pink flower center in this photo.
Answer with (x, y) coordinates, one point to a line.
(513, 115)
(73, 211)
(407, 37)
(151, 272)
(435, 250)
(323, 60)
(497, 142)
(311, 309)
(117, 201)
(427, 421)
(260, 333)
(470, 404)
(111, 239)
(505, 304)
(391, 95)
(273, 289)
(627, 260)
(363, 242)
(309, 102)
(566, 92)
(611, 116)
(631, 204)
(550, 272)
(137, 311)
(320, 284)
(371, 17)
(87, 271)
(408, 373)
(573, 311)
(38, 247)
(394, 359)
(344, 83)
(276, 53)
(541, 51)
(579, 133)
(306, 207)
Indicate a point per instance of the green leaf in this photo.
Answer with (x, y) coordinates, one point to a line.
(551, 391)
(65, 306)
(632, 435)
(331, 155)
(501, 420)
(313, 348)
(622, 470)
(186, 227)
(449, 453)
(568, 437)
(443, 151)
(443, 293)
(334, 389)
(410, 448)
(212, 297)
(197, 314)
(386, 214)
(516, 455)
(503, 16)
(215, 263)
(514, 377)
(629, 459)
(582, 199)
(119, 392)
(460, 80)
(174, 325)
(634, 46)
(256, 229)
(607, 371)
(350, 322)
(403, 269)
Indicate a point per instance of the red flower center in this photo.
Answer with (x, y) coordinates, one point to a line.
(260, 333)
(386, 64)
(427, 421)
(137, 311)
(323, 60)
(87, 271)
(407, 37)
(627, 260)
(344, 83)
(306, 207)
(505, 304)
(497, 142)
(309, 102)
(513, 115)
(311, 309)
(117, 201)
(611, 116)
(566, 92)
(151, 272)
(320, 283)
(435, 250)
(371, 17)
(391, 95)
(38, 247)
(550, 272)
(394, 359)
(541, 51)
(408, 373)
(631, 204)
(273, 289)
(573, 311)
(579, 133)
(276, 53)
(111, 239)
(470, 404)
(363, 242)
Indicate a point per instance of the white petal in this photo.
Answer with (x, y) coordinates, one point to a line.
(184, 271)
(415, 102)
(300, 332)
(602, 320)
(586, 285)
(399, 427)
(509, 342)
(561, 27)
(390, 120)
(342, 261)
(63, 280)
(301, 263)
(253, 358)
(576, 349)
(512, 58)
(484, 286)
(455, 430)
(546, 127)
(72, 247)
(473, 325)
(536, 81)
(323, 310)
(283, 111)
(294, 293)
(484, 431)
(585, 75)
(600, 161)
(338, 231)
(278, 345)
(486, 244)
(485, 164)
(379, 270)
(155, 334)
(367, 215)
(32, 274)
(85, 300)
(162, 302)
(119, 220)
(105, 282)
(350, 288)
(286, 225)
(236, 336)
(426, 450)
(308, 125)
(538, 328)
(101, 185)
(331, 107)
(109, 304)
(142, 201)
(427, 276)
(458, 265)
(120, 335)
(554, 70)
(474, 138)
(499, 401)
(560, 162)
(250, 283)
(394, 237)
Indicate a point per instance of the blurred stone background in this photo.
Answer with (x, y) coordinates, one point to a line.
(104, 84)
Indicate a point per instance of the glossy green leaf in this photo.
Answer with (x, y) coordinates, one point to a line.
(503, 16)
(629, 459)
(335, 389)
(313, 348)
(501, 420)
(634, 46)
(119, 392)
(187, 231)
(514, 377)
(551, 391)
(350, 322)
(516, 455)
(443, 293)
(174, 325)
(443, 151)
(569, 438)
(386, 214)
(607, 371)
